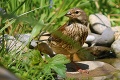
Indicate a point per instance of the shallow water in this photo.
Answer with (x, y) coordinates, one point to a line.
(112, 61)
(115, 62)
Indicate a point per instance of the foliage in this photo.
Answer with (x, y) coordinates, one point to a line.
(35, 16)
(49, 14)
(32, 65)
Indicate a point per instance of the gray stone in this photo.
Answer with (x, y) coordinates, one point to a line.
(116, 32)
(6, 38)
(7, 75)
(12, 44)
(116, 64)
(106, 38)
(24, 38)
(116, 28)
(15, 45)
(90, 38)
(116, 47)
(117, 35)
(33, 43)
(99, 23)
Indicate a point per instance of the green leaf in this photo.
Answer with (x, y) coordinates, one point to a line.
(26, 19)
(59, 59)
(36, 57)
(47, 68)
(36, 30)
(60, 70)
(18, 7)
(58, 64)
(1, 30)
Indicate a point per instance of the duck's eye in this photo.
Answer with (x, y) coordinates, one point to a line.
(77, 12)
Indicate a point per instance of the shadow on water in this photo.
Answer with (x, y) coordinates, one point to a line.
(101, 54)
(71, 66)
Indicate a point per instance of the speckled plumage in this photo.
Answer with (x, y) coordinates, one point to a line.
(75, 29)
